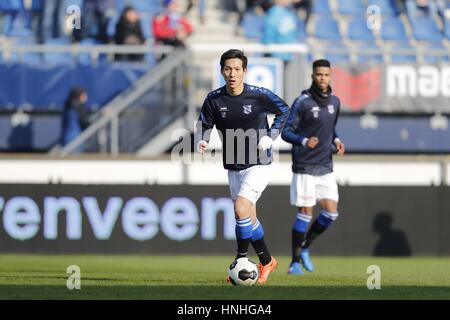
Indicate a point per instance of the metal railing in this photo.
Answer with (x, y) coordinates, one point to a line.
(133, 117)
(13, 52)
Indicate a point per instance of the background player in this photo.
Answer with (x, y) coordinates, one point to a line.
(311, 130)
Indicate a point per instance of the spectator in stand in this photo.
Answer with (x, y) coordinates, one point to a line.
(75, 116)
(129, 32)
(305, 5)
(243, 6)
(280, 27)
(95, 18)
(201, 9)
(170, 27)
(444, 10)
(51, 20)
(417, 8)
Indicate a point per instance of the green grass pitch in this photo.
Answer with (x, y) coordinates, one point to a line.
(203, 277)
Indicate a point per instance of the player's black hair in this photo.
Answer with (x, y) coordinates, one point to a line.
(231, 54)
(321, 63)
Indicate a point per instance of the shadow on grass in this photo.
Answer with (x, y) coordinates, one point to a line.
(225, 292)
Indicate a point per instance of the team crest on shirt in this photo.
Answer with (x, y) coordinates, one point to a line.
(315, 110)
(223, 111)
(330, 108)
(247, 108)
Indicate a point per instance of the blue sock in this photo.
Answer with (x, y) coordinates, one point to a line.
(243, 235)
(244, 228)
(326, 218)
(258, 231)
(302, 222)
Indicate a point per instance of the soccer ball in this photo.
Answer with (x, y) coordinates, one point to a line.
(243, 272)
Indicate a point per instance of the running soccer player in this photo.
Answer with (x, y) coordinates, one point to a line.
(311, 129)
(239, 112)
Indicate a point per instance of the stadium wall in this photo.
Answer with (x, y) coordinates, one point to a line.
(185, 219)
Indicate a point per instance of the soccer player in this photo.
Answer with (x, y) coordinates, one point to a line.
(239, 112)
(311, 129)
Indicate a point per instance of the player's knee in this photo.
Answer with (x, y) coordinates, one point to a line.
(242, 208)
(306, 210)
(329, 206)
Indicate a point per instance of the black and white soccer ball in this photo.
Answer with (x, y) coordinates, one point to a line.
(243, 272)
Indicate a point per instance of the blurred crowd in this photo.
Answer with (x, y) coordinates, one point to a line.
(100, 21)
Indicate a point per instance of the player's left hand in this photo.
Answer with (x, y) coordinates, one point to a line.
(265, 143)
(340, 148)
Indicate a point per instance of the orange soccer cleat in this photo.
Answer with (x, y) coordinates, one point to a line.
(264, 271)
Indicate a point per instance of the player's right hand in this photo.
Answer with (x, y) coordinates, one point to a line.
(202, 145)
(312, 142)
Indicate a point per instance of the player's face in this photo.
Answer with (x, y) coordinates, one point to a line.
(233, 73)
(322, 77)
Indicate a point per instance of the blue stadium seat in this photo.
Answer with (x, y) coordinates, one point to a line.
(326, 29)
(388, 8)
(67, 3)
(57, 57)
(85, 58)
(431, 59)
(301, 28)
(393, 29)
(447, 28)
(354, 8)
(376, 57)
(37, 4)
(28, 57)
(321, 7)
(120, 5)
(357, 30)
(111, 29)
(336, 56)
(150, 59)
(425, 29)
(146, 24)
(253, 25)
(8, 6)
(18, 24)
(152, 7)
(401, 57)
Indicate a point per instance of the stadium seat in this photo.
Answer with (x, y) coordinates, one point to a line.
(326, 29)
(120, 5)
(253, 25)
(376, 57)
(8, 6)
(85, 58)
(27, 57)
(111, 29)
(17, 24)
(146, 24)
(431, 58)
(152, 7)
(301, 30)
(447, 28)
(357, 30)
(321, 7)
(150, 59)
(355, 8)
(393, 29)
(58, 57)
(400, 57)
(339, 55)
(425, 29)
(388, 8)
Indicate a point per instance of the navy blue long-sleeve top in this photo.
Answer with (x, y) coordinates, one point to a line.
(241, 121)
(308, 118)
